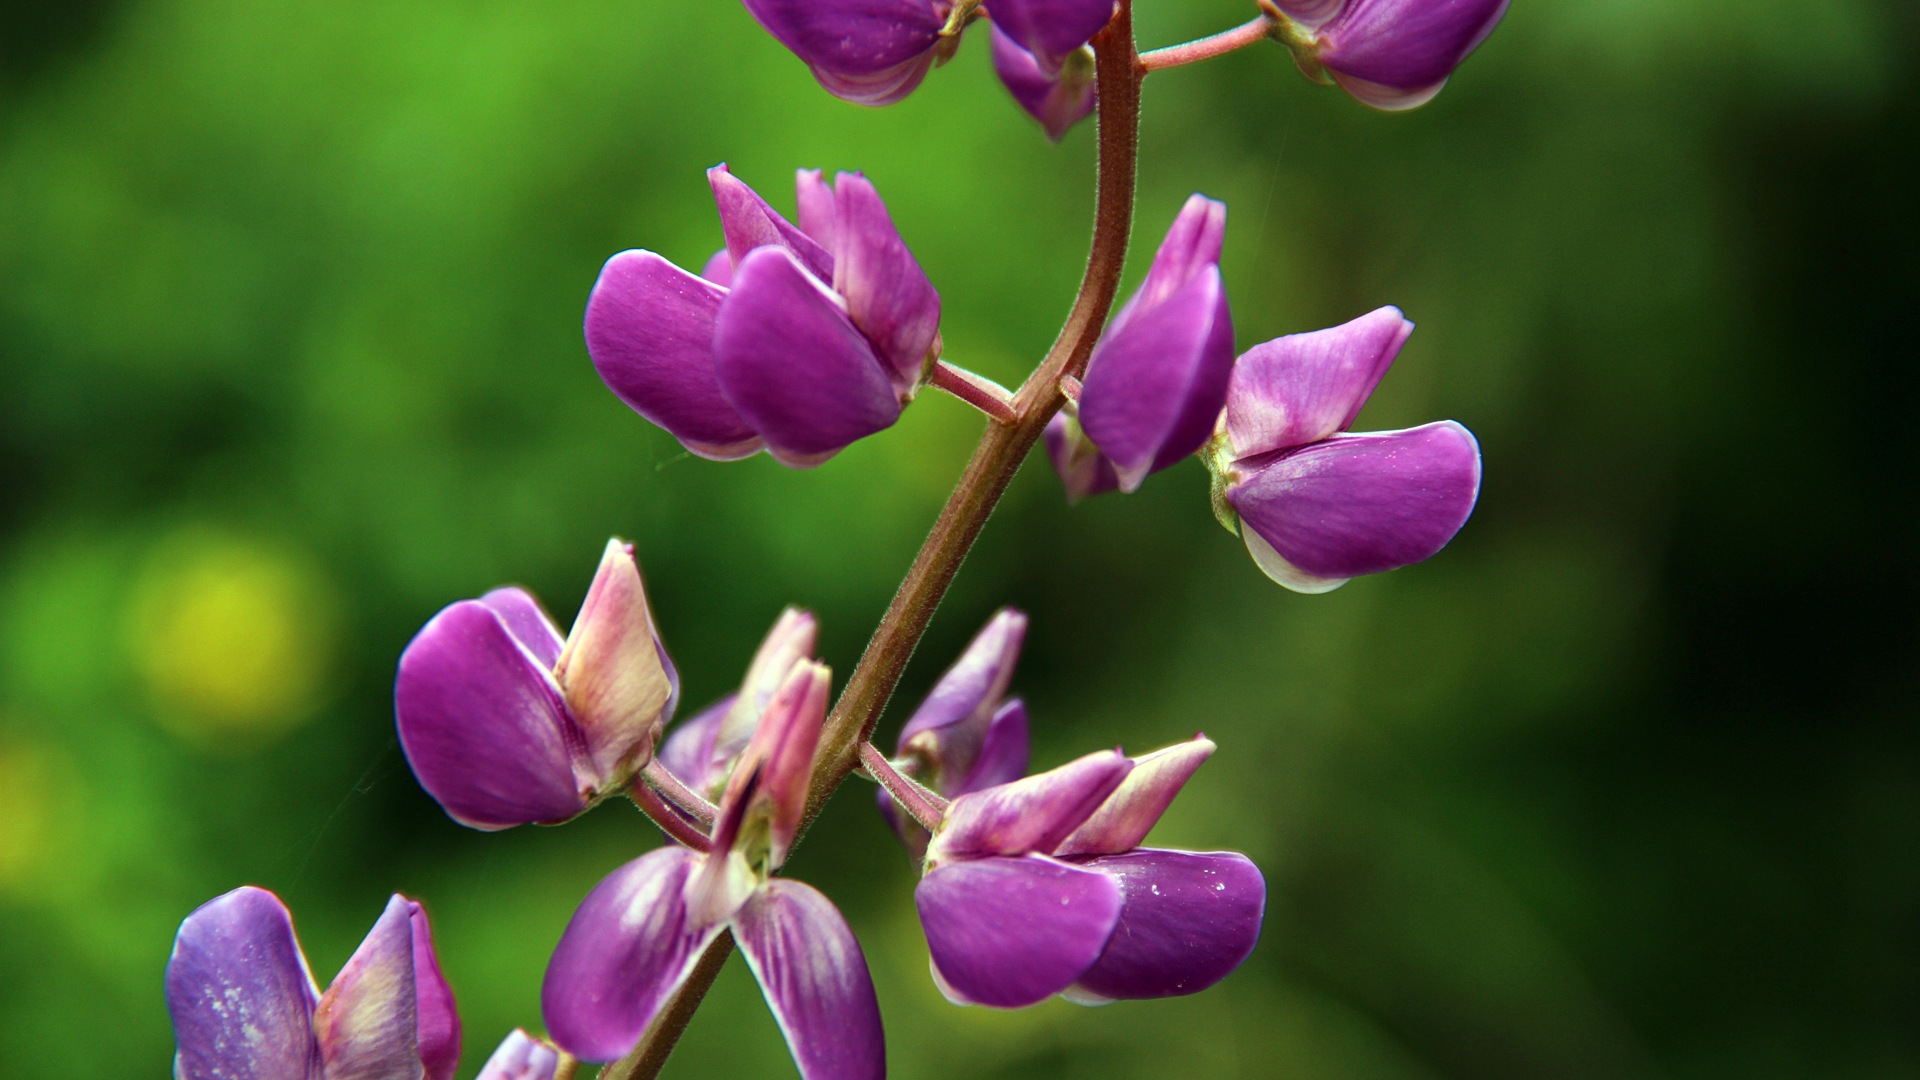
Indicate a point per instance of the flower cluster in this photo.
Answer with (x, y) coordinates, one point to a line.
(800, 339)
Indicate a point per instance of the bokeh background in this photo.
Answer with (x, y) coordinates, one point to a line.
(1625, 783)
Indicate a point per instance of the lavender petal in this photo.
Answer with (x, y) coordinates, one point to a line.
(1003, 754)
(239, 993)
(888, 296)
(815, 979)
(627, 949)
(949, 726)
(1050, 29)
(1029, 815)
(438, 1020)
(520, 1056)
(1396, 54)
(1127, 815)
(748, 222)
(610, 671)
(528, 622)
(1011, 932)
(1302, 388)
(368, 1022)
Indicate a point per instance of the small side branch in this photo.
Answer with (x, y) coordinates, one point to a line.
(676, 827)
(679, 794)
(976, 390)
(1207, 48)
(926, 807)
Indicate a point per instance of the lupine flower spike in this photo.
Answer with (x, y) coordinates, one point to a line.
(505, 722)
(521, 1057)
(798, 340)
(637, 936)
(1157, 378)
(244, 1004)
(1391, 54)
(1315, 504)
(965, 737)
(1040, 887)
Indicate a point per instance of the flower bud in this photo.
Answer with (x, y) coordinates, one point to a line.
(1058, 98)
(520, 1056)
(1315, 504)
(505, 723)
(1156, 381)
(1393, 54)
(703, 751)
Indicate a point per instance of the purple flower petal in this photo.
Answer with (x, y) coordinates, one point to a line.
(1357, 504)
(483, 724)
(748, 222)
(688, 750)
(888, 296)
(521, 1057)
(650, 333)
(778, 764)
(1193, 243)
(610, 671)
(528, 622)
(1127, 815)
(439, 1022)
(815, 979)
(719, 268)
(1301, 388)
(792, 363)
(1396, 54)
(1310, 13)
(1050, 29)
(791, 640)
(1189, 920)
(1058, 98)
(1003, 755)
(627, 949)
(367, 1022)
(819, 212)
(1082, 468)
(240, 994)
(1155, 386)
(868, 51)
(948, 728)
(1010, 932)
(1034, 814)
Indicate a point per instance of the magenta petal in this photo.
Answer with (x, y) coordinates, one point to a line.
(1003, 755)
(1051, 28)
(1127, 815)
(719, 268)
(1029, 815)
(748, 222)
(1189, 919)
(528, 622)
(1301, 388)
(483, 724)
(520, 1056)
(1058, 98)
(1082, 468)
(792, 363)
(815, 979)
(1155, 386)
(439, 1023)
(853, 38)
(1193, 243)
(239, 993)
(650, 332)
(1395, 54)
(367, 1022)
(883, 87)
(949, 726)
(625, 952)
(777, 764)
(612, 670)
(888, 296)
(1357, 504)
(819, 214)
(1010, 932)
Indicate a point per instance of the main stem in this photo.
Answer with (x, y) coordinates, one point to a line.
(1002, 448)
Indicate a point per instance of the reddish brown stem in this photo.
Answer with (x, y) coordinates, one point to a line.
(976, 390)
(926, 807)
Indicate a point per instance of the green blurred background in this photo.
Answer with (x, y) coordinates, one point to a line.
(1619, 785)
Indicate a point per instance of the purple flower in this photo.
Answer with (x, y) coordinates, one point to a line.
(505, 723)
(702, 751)
(1039, 887)
(1157, 378)
(1317, 505)
(521, 1057)
(639, 933)
(1392, 54)
(964, 737)
(244, 1004)
(799, 340)
(1059, 97)
(874, 52)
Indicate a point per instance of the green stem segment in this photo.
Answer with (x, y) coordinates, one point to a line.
(1118, 73)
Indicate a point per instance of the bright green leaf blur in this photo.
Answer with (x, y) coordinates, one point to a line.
(1623, 783)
